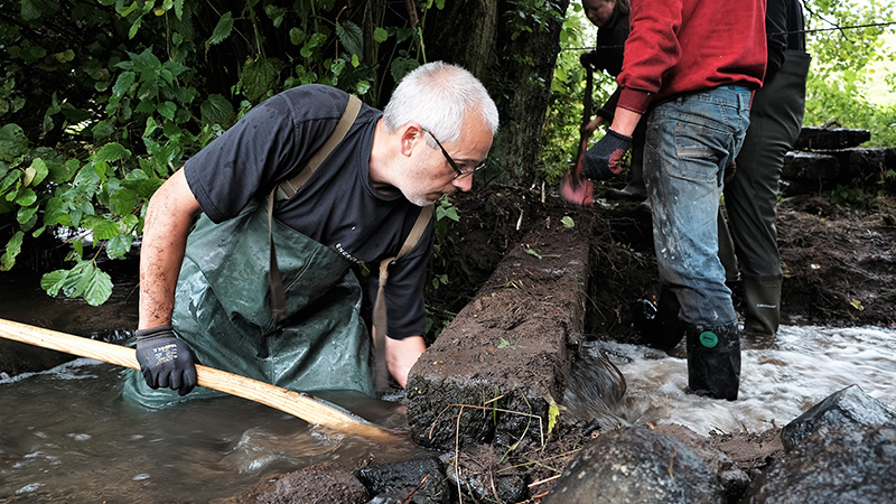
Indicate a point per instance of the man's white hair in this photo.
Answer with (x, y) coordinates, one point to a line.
(437, 96)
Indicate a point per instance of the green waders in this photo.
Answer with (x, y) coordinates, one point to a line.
(223, 311)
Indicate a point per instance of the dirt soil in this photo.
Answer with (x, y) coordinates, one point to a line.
(839, 262)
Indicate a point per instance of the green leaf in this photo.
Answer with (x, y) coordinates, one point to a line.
(13, 142)
(26, 216)
(30, 10)
(135, 26)
(13, 247)
(125, 11)
(119, 246)
(88, 179)
(123, 201)
(53, 281)
(380, 35)
(26, 197)
(99, 288)
(40, 170)
(56, 212)
(402, 66)
(103, 229)
(167, 110)
(260, 76)
(216, 109)
(113, 151)
(222, 30)
(88, 280)
(61, 173)
(123, 83)
(11, 179)
(351, 36)
(296, 36)
(103, 129)
(567, 222)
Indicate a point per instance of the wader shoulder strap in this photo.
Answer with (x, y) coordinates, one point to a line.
(289, 188)
(379, 307)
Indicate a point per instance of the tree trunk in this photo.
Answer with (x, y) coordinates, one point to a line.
(512, 47)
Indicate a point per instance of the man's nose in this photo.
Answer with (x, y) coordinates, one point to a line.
(464, 183)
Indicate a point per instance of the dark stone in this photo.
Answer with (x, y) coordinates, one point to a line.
(850, 406)
(858, 165)
(810, 166)
(814, 138)
(636, 466)
(732, 477)
(835, 465)
(422, 478)
(327, 483)
(496, 371)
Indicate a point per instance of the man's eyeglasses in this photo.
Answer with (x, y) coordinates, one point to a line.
(460, 173)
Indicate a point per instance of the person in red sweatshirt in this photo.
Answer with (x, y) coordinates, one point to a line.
(691, 66)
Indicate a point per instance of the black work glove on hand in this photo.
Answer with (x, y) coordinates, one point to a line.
(589, 59)
(165, 360)
(602, 160)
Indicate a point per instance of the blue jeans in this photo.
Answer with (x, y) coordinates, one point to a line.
(690, 141)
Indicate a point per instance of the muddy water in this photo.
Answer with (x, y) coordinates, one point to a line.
(781, 378)
(67, 436)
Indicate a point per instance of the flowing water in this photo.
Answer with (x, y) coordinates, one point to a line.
(66, 435)
(781, 378)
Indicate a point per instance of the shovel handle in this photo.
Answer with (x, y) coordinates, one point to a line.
(297, 404)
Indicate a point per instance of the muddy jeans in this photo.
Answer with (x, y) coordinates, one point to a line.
(689, 142)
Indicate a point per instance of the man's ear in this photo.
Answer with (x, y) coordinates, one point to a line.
(410, 135)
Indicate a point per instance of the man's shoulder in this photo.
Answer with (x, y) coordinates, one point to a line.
(314, 97)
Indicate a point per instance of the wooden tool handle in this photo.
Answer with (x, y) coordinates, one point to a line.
(300, 405)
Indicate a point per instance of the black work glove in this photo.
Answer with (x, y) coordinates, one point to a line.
(589, 59)
(602, 160)
(165, 360)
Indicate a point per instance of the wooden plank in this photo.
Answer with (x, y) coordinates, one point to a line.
(297, 404)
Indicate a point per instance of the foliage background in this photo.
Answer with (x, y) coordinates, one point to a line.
(101, 100)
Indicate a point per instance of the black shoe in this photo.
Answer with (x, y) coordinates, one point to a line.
(714, 361)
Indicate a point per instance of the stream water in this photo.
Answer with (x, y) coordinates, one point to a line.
(781, 378)
(66, 435)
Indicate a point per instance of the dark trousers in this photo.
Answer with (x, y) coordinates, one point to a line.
(751, 197)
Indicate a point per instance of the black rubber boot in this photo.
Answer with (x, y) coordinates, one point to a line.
(659, 326)
(713, 360)
(762, 313)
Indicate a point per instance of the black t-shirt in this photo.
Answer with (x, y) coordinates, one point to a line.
(337, 207)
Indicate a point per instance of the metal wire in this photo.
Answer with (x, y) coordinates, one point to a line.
(815, 30)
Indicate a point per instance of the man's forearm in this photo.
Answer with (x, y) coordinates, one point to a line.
(625, 121)
(168, 220)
